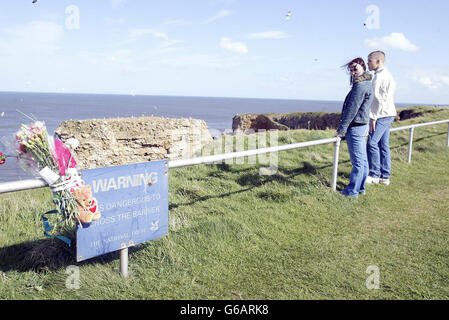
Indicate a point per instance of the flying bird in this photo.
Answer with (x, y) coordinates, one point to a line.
(287, 16)
(34, 1)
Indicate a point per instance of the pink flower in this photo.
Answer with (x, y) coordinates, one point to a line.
(2, 158)
(62, 156)
(22, 148)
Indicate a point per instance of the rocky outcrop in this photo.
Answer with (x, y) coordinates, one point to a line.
(118, 141)
(285, 121)
(245, 122)
(309, 120)
(410, 113)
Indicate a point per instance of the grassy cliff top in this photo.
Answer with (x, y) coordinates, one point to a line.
(238, 234)
(415, 109)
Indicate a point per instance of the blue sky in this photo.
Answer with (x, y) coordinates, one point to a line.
(222, 48)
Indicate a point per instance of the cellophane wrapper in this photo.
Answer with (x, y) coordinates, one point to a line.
(48, 158)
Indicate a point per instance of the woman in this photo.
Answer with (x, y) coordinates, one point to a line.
(354, 125)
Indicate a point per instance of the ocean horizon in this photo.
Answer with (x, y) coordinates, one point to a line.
(54, 108)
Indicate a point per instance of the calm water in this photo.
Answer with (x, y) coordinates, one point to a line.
(53, 108)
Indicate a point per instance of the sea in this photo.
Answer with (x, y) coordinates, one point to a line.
(53, 108)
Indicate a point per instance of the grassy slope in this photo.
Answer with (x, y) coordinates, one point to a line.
(237, 234)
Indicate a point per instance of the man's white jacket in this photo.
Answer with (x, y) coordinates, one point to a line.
(384, 88)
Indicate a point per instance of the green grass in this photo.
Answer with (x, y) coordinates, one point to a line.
(236, 234)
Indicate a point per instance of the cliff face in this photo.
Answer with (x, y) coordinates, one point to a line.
(118, 141)
(307, 120)
(310, 120)
(245, 122)
(286, 121)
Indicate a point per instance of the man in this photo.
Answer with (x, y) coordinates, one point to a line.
(382, 115)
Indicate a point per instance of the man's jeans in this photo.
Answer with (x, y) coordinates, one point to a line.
(378, 149)
(356, 140)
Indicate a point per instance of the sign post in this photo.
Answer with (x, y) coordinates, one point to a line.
(133, 202)
(124, 262)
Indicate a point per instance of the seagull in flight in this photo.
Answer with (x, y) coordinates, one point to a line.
(287, 16)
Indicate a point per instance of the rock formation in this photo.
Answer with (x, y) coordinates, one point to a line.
(308, 120)
(118, 141)
(285, 121)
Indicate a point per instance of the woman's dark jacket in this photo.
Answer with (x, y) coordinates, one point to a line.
(357, 104)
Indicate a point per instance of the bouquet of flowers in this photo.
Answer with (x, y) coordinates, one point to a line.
(2, 158)
(52, 160)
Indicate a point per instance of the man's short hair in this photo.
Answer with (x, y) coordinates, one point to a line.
(377, 55)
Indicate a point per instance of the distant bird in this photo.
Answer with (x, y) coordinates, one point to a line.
(3, 113)
(287, 16)
(34, 1)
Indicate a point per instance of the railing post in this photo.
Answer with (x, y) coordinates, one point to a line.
(448, 134)
(124, 262)
(410, 145)
(335, 166)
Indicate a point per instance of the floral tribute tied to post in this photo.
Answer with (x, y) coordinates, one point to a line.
(52, 160)
(2, 158)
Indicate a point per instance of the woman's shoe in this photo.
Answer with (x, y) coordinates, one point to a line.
(342, 192)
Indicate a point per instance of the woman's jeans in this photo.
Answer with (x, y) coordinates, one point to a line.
(356, 140)
(378, 149)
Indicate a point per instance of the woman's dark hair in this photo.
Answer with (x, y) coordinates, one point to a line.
(347, 66)
(356, 60)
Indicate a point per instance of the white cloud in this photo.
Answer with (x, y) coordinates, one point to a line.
(37, 37)
(238, 47)
(395, 40)
(221, 14)
(111, 21)
(430, 77)
(434, 81)
(199, 60)
(268, 35)
(137, 33)
(116, 3)
(175, 22)
(38, 31)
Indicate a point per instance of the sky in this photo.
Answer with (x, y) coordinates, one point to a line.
(222, 48)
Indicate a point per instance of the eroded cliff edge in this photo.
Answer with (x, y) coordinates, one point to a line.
(118, 141)
(307, 120)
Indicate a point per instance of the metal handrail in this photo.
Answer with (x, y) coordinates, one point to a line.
(39, 183)
(419, 125)
(247, 153)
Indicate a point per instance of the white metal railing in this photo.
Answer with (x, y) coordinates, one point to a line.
(39, 183)
(412, 129)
